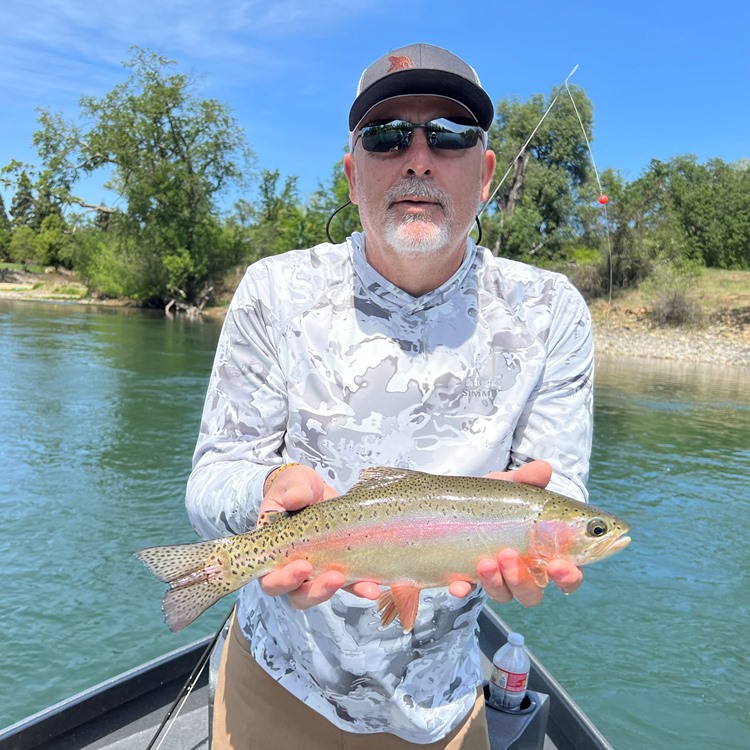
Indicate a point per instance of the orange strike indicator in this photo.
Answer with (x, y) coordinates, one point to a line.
(603, 199)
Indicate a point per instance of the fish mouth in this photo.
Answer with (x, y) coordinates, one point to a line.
(614, 546)
(620, 543)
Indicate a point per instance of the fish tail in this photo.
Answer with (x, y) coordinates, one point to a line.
(198, 576)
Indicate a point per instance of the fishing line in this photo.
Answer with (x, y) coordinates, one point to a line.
(184, 694)
(603, 200)
(528, 140)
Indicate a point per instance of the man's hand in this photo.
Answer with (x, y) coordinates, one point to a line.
(507, 577)
(292, 489)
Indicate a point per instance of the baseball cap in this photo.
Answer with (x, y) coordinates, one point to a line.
(421, 69)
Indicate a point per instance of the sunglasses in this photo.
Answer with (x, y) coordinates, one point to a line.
(443, 133)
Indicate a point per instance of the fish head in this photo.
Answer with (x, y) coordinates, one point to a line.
(571, 530)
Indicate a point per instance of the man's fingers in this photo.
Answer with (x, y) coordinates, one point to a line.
(537, 473)
(460, 588)
(295, 487)
(318, 590)
(518, 579)
(567, 576)
(286, 579)
(365, 589)
(493, 582)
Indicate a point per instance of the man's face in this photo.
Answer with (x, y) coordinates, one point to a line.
(418, 200)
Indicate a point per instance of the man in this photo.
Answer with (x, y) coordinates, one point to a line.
(404, 346)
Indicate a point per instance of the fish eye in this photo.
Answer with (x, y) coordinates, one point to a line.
(596, 527)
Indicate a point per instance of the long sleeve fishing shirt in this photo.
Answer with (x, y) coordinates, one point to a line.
(324, 362)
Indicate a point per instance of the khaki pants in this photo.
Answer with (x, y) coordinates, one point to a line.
(252, 711)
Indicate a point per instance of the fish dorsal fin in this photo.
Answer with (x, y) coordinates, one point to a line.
(376, 477)
(401, 600)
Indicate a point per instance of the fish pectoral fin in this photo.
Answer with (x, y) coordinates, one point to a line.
(538, 570)
(401, 600)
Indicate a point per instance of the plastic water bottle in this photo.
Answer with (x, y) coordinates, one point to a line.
(510, 673)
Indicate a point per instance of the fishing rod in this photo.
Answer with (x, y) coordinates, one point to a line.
(187, 688)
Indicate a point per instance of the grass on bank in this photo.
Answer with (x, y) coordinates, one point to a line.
(713, 297)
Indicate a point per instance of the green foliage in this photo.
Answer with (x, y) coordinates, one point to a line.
(22, 205)
(53, 241)
(681, 213)
(25, 249)
(535, 211)
(322, 204)
(5, 231)
(169, 157)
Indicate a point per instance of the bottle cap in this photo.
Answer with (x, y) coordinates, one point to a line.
(515, 639)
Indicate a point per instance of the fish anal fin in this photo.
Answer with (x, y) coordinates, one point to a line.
(401, 600)
(538, 570)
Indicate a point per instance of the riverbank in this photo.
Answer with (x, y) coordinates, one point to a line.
(720, 336)
(620, 331)
(621, 328)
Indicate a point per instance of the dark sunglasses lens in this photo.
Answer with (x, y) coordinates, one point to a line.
(450, 135)
(386, 136)
(396, 135)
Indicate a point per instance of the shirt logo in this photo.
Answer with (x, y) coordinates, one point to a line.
(399, 62)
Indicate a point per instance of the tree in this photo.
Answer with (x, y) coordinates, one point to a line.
(683, 213)
(22, 205)
(535, 211)
(5, 231)
(322, 204)
(24, 248)
(169, 156)
(712, 204)
(278, 219)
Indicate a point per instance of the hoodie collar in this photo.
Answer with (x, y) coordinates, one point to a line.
(391, 297)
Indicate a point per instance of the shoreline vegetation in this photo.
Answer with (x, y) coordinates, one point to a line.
(622, 327)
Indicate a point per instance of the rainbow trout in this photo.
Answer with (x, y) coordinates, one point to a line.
(404, 529)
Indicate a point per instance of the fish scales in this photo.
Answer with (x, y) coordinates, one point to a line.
(404, 529)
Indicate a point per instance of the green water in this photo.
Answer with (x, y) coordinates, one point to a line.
(99, 412)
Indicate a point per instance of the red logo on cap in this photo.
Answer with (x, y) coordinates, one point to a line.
(399, 62)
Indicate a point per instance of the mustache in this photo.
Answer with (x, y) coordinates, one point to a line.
(414, 187)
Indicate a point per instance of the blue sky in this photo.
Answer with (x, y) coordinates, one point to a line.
(665, 78)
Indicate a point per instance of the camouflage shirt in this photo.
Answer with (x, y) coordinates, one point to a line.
(323, 361)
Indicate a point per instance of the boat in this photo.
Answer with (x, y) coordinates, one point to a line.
(125, 712)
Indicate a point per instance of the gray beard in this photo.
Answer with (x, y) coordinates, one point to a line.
(429, 238)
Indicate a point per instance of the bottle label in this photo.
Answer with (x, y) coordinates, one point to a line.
(513, 682)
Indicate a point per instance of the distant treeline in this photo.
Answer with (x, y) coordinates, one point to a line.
(169, 157)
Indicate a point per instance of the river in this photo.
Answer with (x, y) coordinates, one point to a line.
(99, 411)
